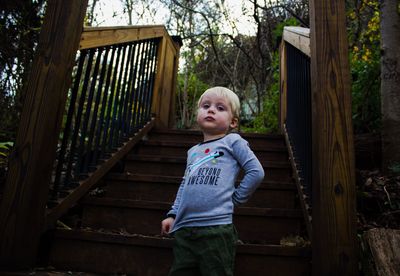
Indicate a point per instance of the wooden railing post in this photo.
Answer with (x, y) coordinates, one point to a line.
(283, 86)
(25, 195)
(334, 203)
(163, 104)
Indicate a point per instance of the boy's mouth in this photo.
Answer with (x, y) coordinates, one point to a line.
(209, 118)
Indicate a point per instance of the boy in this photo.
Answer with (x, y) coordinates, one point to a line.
(201, 216)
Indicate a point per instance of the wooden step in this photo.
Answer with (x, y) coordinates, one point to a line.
(164, 188)
(111, 254)
(175, 166)
(194, 136)
(180, 148)
(144, 217)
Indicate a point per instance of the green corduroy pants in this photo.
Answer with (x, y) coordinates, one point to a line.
(206, 251)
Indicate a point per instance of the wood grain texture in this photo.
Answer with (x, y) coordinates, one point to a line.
(334, 203)
(102, 36)
(283, 86)
(25, 195)
(163, 104)
(384, 245)
(299, 37)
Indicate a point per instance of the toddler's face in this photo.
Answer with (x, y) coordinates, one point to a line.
(214, 115)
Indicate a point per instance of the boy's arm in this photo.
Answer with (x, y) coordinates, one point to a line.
(168, 223)
(175, 206)
(253, 171)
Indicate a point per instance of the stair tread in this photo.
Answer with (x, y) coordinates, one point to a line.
(188, 144)
(127, 176)
(106, 223)
(182, 160)
(158, 205)
(167, 242)
(198, 133)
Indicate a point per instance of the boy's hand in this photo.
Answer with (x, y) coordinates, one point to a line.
(166, 225)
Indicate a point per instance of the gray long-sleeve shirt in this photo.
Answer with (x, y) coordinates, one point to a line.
(207, 194)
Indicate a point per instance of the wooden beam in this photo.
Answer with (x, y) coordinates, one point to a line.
(25, 194)
(334, 202)
(172, 117)
(103, 36)
(299, 37)
(283, 85)
(168, 86)
(163, 99)
(158, 84)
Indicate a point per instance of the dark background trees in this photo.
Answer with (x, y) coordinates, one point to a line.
(20, 23)
(215, 52)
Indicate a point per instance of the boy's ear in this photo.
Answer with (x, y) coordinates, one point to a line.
(234, 123)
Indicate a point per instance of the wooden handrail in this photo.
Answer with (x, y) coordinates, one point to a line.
(102, 36)
(299, 37)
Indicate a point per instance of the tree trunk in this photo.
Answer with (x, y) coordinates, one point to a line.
(384, 247)
(390, 82)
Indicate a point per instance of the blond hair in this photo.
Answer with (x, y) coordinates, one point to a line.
(232, 98)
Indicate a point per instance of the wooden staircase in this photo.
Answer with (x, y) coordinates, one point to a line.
(116, 227)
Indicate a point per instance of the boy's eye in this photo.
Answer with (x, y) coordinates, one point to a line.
(221, 108)
(206, 105)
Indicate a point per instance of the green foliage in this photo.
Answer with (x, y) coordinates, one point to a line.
(267, 120)
(366, 94)
(5, 150)
(278, 31)
(364, 40)
(195, 87)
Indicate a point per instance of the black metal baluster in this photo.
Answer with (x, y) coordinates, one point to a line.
(132, 90)
(124, 99)
(150, 73)
(111, 102)
(145, 83)
(140, 88)
(84, 150)
(136, 87)
(67, 128)
(117, 102)
(299, 114)
(67, 183)
(90, 150)
(99, 149)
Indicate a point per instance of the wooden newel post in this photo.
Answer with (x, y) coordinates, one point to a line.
(23, 207)
(163, 104)
(334, 202)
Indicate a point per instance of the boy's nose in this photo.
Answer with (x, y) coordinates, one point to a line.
(211, 110)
